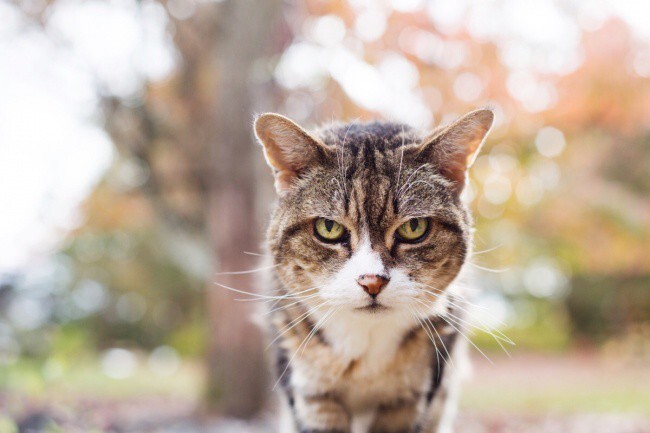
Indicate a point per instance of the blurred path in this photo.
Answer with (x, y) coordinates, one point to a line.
(562, 384)
(523, 394)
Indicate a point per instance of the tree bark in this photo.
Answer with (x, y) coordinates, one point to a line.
(237, 383)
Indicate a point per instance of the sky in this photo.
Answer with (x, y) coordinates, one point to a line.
(53, 150)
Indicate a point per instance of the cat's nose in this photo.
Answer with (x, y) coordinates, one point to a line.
(372, 284)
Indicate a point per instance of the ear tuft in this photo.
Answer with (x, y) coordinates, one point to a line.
(288, 148)
(454, 148)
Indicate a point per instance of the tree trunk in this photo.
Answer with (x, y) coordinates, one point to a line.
(237, 382)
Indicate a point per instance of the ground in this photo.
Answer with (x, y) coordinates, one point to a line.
(522, 394)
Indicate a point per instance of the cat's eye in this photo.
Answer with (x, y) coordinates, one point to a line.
(413, 230)
(329, 230)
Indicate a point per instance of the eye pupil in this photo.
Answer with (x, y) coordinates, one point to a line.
(329, 230)
(413, 230)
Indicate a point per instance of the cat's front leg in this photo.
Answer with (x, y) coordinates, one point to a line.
(441, 400)
(398, 417)
(320, 414)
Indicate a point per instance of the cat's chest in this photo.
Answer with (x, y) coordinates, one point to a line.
(382, 363)
(365, 360)
(368, 343)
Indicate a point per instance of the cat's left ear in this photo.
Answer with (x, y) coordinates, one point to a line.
(453, 148)
(289, 149)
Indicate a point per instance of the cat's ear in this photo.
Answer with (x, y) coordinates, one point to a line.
(288, 148)
(453, 148)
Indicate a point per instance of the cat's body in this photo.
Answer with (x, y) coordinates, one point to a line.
(367, 240)
(388, 373)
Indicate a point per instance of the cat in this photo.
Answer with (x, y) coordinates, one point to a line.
(368, 238)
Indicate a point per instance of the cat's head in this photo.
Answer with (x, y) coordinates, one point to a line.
(369, 216)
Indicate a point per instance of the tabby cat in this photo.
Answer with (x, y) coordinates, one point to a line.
(368, 238)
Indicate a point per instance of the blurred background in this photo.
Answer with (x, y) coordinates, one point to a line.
(130, 182)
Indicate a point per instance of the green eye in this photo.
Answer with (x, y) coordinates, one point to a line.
(413, 229)
(329, 230)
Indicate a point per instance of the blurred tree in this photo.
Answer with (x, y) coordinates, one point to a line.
(194, 135)
(235, 360)
(187, 144)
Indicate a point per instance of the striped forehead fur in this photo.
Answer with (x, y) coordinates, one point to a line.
(376, 162)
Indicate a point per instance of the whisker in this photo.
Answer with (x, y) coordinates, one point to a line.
(265, 268)
(483, 268)
(305, 291)
(292, 325)
(442, 292)
(426, 319)
(449, 357)
(433, 340)
(250, 253)
(457, 304)
(318, 326)
(469, 340)
(476, 253)
(284, 307)
(426, 329)
(450, 316)
(481, 325)
(243, 292)
(429, 334)
(340, 188)
(257, 295)
(401, 158)
(297, 293)
(267, 299)
(292, 357)
(399, 192)
(412, 184)
(343, 169)
(460, 322)
(260, 300)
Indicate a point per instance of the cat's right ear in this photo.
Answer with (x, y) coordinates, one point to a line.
(288, 148)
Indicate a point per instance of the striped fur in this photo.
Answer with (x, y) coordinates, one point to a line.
(341, 355)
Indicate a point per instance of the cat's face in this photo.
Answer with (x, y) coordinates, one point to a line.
(369, 216)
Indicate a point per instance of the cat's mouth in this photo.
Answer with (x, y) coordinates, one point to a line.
(373, 307)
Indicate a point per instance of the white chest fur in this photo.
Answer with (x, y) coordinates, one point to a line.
(371, 340)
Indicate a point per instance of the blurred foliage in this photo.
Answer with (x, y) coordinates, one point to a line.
(114, 285)
(158, 300)
(601, 306)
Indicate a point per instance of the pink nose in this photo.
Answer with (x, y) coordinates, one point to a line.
(372, 284)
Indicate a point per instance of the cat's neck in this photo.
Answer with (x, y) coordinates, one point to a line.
(367, 338)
